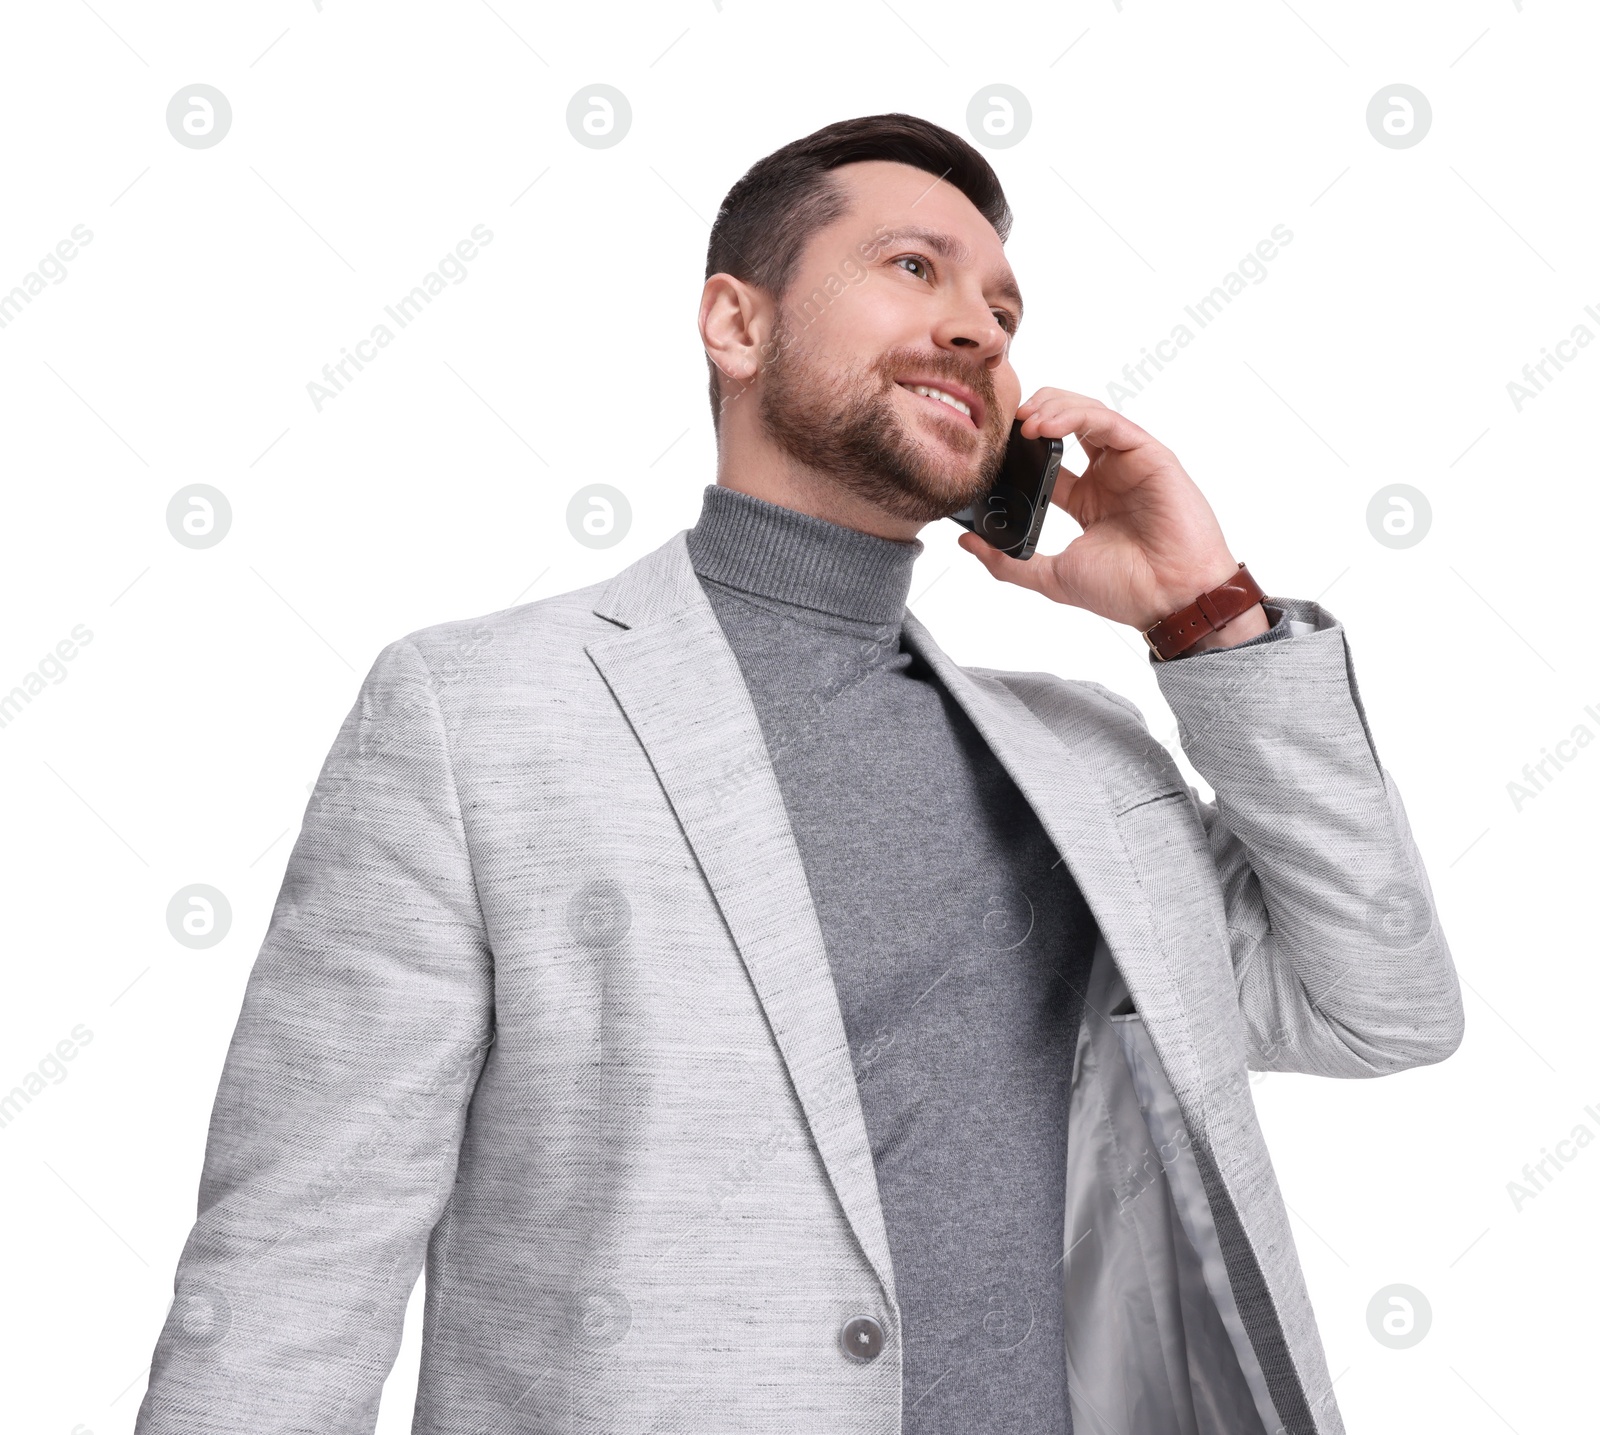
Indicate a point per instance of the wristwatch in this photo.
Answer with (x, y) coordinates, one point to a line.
(1180, 631)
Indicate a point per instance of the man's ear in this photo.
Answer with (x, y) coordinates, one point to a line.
(733, 328)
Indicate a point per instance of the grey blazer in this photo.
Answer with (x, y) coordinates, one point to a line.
(544, 1000)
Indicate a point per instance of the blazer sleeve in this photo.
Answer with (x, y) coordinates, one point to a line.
(1339, 958)
(338, 1118)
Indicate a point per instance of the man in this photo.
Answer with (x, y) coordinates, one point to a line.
(763, 1023)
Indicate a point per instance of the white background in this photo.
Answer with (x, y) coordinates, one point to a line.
(1166, 141)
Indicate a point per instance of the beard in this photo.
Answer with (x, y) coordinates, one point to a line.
(848, 426)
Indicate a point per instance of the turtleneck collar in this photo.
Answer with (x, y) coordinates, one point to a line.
(793, 557)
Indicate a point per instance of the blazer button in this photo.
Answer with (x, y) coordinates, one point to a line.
(861, 1338)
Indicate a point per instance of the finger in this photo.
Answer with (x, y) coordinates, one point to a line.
(1057, 416)
(1089, 420)
(1044, 402)
(1043, 397)
(1061, 492)
(1040, 396)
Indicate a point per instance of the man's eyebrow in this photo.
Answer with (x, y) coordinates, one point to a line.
(947, 246)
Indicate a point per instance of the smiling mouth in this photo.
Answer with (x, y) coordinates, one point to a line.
(949, 403)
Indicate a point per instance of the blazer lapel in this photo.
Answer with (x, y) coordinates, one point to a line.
(674, 675)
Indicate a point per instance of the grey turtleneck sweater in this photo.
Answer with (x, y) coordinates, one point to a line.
(958, 942)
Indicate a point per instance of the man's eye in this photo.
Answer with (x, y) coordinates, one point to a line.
(1007, 322)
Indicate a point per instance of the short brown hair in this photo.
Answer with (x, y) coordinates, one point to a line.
(767, 218)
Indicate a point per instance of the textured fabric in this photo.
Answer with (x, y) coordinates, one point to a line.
(959, 946)
(545, 1001)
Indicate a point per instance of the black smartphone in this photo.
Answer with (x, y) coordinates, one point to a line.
(1010, 516)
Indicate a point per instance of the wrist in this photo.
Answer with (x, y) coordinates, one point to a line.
(1224, 615)
(1202, 577)
(1251, 623)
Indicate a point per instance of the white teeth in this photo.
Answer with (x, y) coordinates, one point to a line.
(940, 394)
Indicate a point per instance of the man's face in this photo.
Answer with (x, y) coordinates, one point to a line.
(869, 313)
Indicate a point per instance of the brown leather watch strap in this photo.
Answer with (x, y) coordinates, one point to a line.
(1180, 631)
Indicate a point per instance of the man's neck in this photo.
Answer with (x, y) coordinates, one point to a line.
(768, 476)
